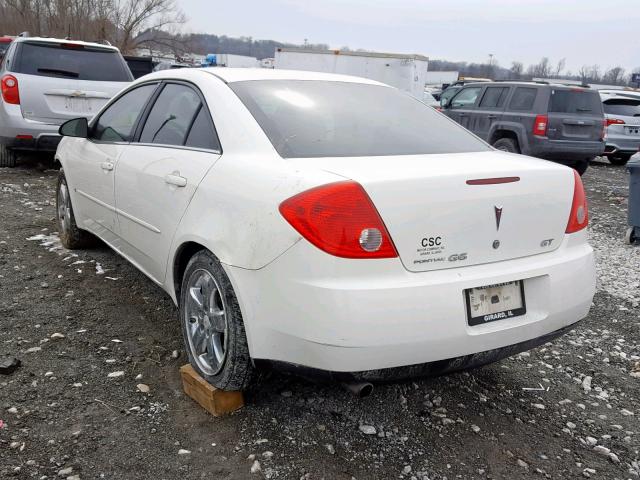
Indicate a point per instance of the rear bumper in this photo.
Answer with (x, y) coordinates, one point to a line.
(622, 144)
(312, 310)
(18, 133)
(563, 151)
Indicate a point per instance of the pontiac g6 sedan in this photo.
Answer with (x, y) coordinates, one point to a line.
(326, 224)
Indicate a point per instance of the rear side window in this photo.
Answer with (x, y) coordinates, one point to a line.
(579, 102)
(117, 122)
(466, 98)
(523, 98)
(202, 133)
(625, 107)
(71, 62)
(494, 97)
(171, 116)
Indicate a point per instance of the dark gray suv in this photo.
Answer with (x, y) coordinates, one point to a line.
(555, 122)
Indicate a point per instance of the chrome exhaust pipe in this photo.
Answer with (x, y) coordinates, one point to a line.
(359, 389)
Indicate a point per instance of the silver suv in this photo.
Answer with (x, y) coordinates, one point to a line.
(622, 112)
(45, 82)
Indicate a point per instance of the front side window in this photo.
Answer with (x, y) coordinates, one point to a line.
(466, 98)
(312, 118)
(171, 116)
(494, 97)
(117, 122)
(523, 98)
(71, 61)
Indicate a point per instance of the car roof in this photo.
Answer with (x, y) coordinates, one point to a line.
(65, 41)
(230, 75)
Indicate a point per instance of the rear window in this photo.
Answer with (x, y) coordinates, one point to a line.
(310, 118)
(624, 107)
(579, 102)
(75, 63)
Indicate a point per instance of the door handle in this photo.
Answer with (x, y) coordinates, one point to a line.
(175, 179)
(106, 166)
(492, 117)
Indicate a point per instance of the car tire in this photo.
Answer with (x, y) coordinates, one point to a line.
(7, 157)
(212, 325)
(506, 145)
(71, 237)
(630, 236)
(581, 166)
(620, 159)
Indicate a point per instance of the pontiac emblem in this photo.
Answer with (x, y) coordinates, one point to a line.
(498, 211)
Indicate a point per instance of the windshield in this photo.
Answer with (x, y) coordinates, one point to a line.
(308, 118)
(72, 62)
(624, 107)
(575, 101)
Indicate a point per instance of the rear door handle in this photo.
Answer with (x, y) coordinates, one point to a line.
(106, 166)
(175, 179)
(492, 117)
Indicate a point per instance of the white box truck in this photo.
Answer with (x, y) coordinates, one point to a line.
(406, 72)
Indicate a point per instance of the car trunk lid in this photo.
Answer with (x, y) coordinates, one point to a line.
(454, 210)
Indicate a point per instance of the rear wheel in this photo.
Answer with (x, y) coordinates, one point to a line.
(7, 157)
(71, 236)
(619, 159)
(506, 145)
(212, 325)
(630, 236)
(581, 166)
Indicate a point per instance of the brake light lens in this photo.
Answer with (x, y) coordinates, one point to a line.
(540, 125)
(579, 217)
(9, 87)
(340, 219)
(614, 121)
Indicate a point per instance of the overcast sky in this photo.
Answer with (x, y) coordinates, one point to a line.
(606, 32)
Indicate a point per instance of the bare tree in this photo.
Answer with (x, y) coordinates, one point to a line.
(560, 67)
(614, 76)
(516, 70)
(542, 69)
(132, 18)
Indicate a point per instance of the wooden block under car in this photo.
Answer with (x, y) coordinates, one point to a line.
(215, 401)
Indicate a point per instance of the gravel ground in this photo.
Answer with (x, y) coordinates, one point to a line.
(92, 333)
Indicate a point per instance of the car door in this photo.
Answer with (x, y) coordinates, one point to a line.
(489, 110)
(462, 106)
(91, 162)
(157, 175)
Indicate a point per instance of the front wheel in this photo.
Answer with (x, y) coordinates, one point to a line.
(212, 325)
(71, 236)
(630, 237)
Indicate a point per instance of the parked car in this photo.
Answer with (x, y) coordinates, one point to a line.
(622, 112)
(555, 122)
(328, 224)
(46, 81)
(4, 45)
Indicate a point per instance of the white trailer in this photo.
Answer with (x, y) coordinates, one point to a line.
(406, 72)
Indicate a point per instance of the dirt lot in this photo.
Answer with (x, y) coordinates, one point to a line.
(566, 410)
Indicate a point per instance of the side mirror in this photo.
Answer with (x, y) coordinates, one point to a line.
(444, 102)
(78, 127)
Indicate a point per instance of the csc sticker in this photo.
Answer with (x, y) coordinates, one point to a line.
(432, 241)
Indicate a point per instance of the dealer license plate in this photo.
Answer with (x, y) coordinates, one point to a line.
(495, 302)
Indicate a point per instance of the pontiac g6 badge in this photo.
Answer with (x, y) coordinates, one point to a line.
(498, 211)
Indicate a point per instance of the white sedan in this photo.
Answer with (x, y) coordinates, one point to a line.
(326, 224)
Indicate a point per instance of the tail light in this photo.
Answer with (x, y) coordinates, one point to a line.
(540, 125)
(340, 219)
(579, 217)
(9, 86)
(614, 121)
